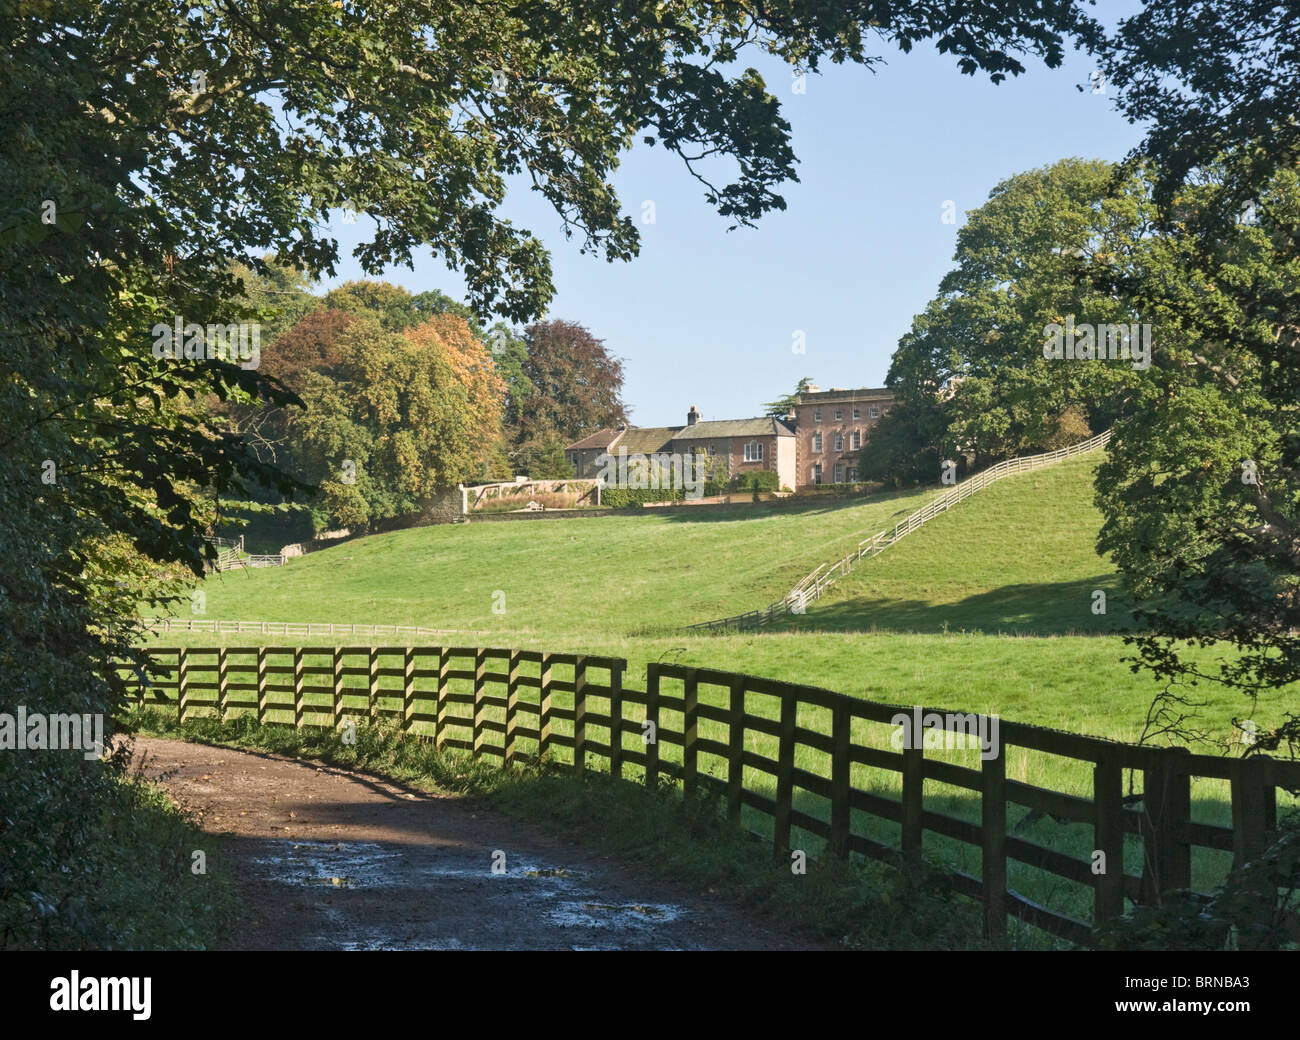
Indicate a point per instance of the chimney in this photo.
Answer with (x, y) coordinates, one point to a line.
(693, 416)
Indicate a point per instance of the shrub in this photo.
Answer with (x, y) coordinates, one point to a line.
(760, 480)
(618, 497)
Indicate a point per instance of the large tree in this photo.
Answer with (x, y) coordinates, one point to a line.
(1201, 493)
(973, 367)
(397, 418)
(575, 385)
(148, 148)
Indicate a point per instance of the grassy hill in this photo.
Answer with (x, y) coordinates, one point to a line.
(1017, 557)
(613, 575)
(973, 612)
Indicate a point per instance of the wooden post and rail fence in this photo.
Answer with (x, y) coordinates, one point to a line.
(797, 758)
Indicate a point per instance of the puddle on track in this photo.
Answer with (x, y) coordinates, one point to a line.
(372, 896)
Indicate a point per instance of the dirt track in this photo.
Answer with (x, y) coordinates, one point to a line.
(327, 859)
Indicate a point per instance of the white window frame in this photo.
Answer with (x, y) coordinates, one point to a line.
(838, 473)
(754, 451)
(839, 442)
(817, 415)
(839, 414)
(817, 442)
(857, 412)
(815, 475)
(857, 439)
(875, 411)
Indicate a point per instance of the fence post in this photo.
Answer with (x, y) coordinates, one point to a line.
(182, 683)
(690, 733)
(1108, 837)
(512, 706)
(336, 700)
(408, 689)
(616, 720)
(1166, 808)
(913, 799)
(736, 750)
(841, 727)
(993, 842)
(544, 709)
(480, 667)
(579, 714)
(784, 775)
(297, 687)
(261, 685)
(652, 731)
(222, 683)
(440, 703)
(1249, 809)
(374, 680)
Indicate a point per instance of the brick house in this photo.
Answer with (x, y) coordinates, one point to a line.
(744, 445)
(820, 442)
(739, 445)
(832, 429)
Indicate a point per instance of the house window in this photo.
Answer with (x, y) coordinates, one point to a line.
(839, 442)
(713, 450)
(817, 415)
(875, 412)
(817, 442)
(839, 414)
(753, 452)
(839, 473)
(853, 475)
(857, 439)
(857, 412)
(817, 473)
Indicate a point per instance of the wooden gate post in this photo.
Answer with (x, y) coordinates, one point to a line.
(993, 842)
(616, 719)
(841, 727)
(690, 734)
(512, 707)
(784, 775)
(736, 750)
(652, 732)
(579, 714)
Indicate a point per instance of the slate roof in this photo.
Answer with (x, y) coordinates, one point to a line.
(647, 440)
(764, 426)
(599, 439)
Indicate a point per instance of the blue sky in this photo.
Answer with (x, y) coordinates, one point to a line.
(707, 317)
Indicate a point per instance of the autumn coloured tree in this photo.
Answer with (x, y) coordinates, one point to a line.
(398, 418)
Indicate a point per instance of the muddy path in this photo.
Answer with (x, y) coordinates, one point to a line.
(324, 858)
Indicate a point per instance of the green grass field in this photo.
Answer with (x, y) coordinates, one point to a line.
(988, 608)
(983, 609)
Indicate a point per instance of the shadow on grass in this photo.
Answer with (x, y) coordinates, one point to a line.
(1048, 608)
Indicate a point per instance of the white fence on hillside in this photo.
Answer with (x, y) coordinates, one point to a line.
(825, 575)
(286, 628)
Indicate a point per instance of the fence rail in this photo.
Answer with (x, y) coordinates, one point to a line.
(803, 760)
(288, 628)
(812, 586)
